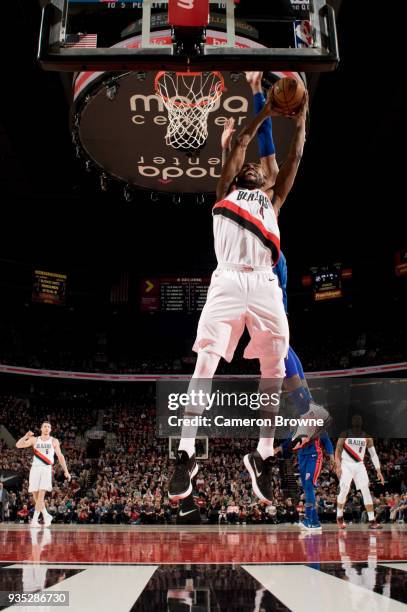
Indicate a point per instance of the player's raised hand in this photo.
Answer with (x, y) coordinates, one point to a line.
(227, 134)
(380, 477)
(29, 434)
(254, 80)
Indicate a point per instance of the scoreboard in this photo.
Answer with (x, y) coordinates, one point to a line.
(173, 294)
(49, 287)
(326, 282)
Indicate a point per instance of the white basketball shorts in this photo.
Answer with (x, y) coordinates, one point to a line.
(353, 471)
(40, 478)
(237, 299)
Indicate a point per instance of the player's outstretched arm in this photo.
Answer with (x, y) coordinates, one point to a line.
(374, 458)
(267, 150)
(288, 171)
(236, 159)
(61, 458)
(226, 138)
(26, 441)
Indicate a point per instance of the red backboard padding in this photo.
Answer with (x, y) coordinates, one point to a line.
(188, 13)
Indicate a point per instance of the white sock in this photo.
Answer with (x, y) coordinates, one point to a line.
(339, 512)
(45, 512)
(36, 515)
(265, 447)
(187, 445)
(370, 516)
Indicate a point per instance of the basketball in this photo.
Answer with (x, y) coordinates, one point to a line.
(288, 94)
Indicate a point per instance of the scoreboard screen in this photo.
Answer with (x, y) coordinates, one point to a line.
(49, 287)
(327, 282)
(173, 294)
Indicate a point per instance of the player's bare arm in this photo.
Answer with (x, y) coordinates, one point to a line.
(338, 453)
(286, 177)
(26, 441)
(236, 159)
(226, 138)
(61, 458)
(375, 459)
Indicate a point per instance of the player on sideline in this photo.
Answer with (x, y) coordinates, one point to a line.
(40, 481)
(349, 458)
(244, 291)
(295, 383)
(310, 460)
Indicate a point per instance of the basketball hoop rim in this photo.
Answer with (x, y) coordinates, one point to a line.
(179, 103)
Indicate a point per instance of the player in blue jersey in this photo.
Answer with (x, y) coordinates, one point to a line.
(310, 459)
(295, 383)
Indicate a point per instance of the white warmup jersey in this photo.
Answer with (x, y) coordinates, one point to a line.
(352, 458)
(245, 229)
(244, 290)
(41, 469)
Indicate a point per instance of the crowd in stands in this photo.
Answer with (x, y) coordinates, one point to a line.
(120, 468)
(79, 347)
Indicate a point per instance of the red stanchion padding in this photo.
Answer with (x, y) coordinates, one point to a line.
(188, 13)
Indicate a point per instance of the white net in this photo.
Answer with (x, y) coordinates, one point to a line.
(188, 97)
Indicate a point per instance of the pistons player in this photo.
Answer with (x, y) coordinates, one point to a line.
(44, 448)
(244, 291)
(349, 458)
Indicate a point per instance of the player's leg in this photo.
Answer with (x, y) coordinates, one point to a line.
(186, 467)
(36, 515)
(39, 504)
(267, 323)
(362, 483)
(219, 329)
(344, 486)
(298, 392)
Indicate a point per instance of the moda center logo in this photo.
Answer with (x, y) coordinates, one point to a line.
(125, 133)
(171, 164)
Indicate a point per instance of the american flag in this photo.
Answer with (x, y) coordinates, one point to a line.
(81, 41)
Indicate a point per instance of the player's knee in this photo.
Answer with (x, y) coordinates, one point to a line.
(206, 364)
(272, 363)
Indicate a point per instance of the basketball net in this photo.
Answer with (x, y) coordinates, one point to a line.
(189, 97)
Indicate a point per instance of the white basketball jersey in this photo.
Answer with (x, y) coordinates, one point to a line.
(43, 452)
(354, 449)
(245, 229)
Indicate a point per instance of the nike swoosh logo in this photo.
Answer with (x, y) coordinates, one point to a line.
(2, 479)
(258, 474)
(182, 513)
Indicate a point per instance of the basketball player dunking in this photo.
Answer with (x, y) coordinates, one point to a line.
(349, 458)
(295, 383)
(244, 291)
(45, 448)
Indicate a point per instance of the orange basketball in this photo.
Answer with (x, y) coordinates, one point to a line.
(288, 94)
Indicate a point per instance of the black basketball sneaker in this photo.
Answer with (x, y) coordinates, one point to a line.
(186, 468)
(188, 513)
(260, 472)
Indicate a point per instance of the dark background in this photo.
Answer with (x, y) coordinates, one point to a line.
(347, 204)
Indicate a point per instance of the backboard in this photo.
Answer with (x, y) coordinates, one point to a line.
(119, 126)
(298, 35)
